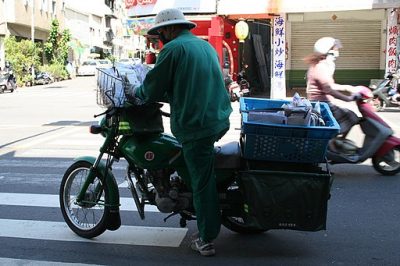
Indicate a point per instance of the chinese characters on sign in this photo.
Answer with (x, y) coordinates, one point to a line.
(278, 90)
(392, 63)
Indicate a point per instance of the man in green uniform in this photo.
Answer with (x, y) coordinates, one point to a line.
(188, 75)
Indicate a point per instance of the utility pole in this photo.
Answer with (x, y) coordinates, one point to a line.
(33, 38)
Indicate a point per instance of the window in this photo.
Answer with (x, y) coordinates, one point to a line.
(54, 8)
(44, 5)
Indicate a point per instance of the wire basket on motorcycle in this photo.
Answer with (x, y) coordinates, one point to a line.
(115, 84)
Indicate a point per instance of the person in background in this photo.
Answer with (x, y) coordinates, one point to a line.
(321, 85)
(188, 75)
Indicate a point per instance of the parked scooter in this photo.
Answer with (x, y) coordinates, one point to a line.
(238, 89)
(379, 142)
(7, 81)
(43, 78)
(252, 200)
(387, 92)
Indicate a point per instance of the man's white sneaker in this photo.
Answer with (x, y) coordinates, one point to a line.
(205, 248)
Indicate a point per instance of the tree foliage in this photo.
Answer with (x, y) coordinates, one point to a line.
(22, 55)
(56, 47)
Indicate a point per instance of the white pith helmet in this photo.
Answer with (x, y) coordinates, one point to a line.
(325, 44)
(170, 16)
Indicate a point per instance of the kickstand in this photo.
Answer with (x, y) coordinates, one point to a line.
(169, 216)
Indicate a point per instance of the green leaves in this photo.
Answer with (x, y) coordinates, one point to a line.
(22, 55)
(56, 47)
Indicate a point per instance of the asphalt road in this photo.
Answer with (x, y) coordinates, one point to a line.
(43, 128)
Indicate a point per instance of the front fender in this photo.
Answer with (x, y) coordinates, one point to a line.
(389, 144)
(111, 183)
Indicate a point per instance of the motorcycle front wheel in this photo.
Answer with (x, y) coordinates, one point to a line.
(88, 218)
(389, 164)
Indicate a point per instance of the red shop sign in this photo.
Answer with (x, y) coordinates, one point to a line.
(132, 3)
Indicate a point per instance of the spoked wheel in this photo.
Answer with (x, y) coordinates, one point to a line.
(88, 218)
(389, 164)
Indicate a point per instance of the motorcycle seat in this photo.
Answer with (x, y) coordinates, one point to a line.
(227, 155)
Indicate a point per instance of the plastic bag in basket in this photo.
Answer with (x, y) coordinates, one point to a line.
(135, 75)
(112, 85)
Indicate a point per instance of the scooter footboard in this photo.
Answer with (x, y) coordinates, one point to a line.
(285, 200)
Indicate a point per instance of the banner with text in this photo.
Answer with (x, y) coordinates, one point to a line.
(278, 88)
(152, 7)
(392, 35)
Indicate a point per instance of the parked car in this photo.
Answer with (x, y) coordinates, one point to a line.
(87, 68)
(104, 63)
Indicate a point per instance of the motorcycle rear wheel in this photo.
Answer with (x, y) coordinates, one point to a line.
(389, 164)
(88, 219)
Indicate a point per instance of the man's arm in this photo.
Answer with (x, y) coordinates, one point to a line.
(159, 80)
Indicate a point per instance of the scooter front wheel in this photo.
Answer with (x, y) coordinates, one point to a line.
(389, 164)
(87, 218)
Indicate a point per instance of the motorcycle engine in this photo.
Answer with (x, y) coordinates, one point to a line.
(171, 193)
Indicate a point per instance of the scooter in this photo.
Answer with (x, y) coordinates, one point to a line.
(43, 78)
(236, 89)
(387, 92)
(379, 143)
(7, 82)
(254, 196)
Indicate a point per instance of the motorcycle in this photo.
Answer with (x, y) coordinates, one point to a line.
(387, 92)
(7, 82)
(379, 143)
(238, 89)
(157, 175)
(43, 78)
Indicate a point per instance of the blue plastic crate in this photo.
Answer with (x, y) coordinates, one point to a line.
(288, 143)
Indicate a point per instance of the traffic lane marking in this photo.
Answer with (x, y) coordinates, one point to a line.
(125, 235)
(52, 201)
(20, 262)
(38, 139)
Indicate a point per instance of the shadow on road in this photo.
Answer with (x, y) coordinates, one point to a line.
(71, 123)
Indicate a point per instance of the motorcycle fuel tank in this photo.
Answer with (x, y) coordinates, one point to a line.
(152, 151)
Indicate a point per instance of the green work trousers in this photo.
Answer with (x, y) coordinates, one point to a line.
(199, 158)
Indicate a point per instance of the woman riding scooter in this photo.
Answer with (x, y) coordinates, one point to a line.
(322, 87)
(379, 143)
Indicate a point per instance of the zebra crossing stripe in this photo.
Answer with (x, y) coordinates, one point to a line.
(52, 201)
(19, 262)
(125, 235)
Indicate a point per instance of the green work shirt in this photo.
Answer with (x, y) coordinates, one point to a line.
(188, 75)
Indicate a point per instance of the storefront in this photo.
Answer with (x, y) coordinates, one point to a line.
(360, 32)
(218, 29)
(369, 38)
(282, 33)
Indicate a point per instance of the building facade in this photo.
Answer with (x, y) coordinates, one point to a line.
(18, 16)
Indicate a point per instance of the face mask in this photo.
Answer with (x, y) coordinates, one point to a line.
(334, 53)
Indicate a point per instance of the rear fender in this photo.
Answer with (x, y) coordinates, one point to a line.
(114, 220)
